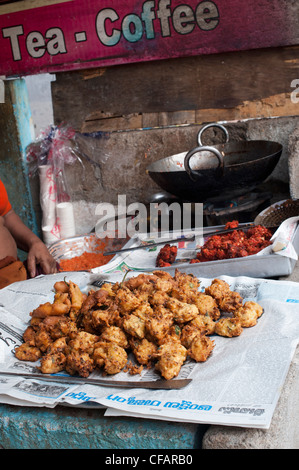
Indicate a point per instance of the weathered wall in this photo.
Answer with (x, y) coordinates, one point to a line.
(236, 85)
(16, 132)
(117, 161)
(157, 95)
(135, 114)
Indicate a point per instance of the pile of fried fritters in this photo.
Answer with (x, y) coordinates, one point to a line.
(161, 319)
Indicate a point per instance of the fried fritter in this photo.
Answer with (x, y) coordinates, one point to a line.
(218, 289)
(61, 286)
(163, 285)
(171, 356)
(158, 298)
(189, 332)
(126, 300)
(110, 356)
(84, 342)
(29, 336)
(182, 312)
(42, 339)
(174, 334)
(62, 298)
(187, 281)
(201, 347)
(58, 346)
(99, 354)
(78, 362)
(109, 288)
(43, 310)
(248, 314)
(138, 282)
(161, 319)
(53, 363)
(104, 317)
(158, 324)
(134, 326)
(230, 302)
(143, 311)
(94, 299)
(60, 306)
(162, 275)
(228, 327)
(205, 323)
(76, 299)
(25, 352)
(59, 326)
(116, 335)
(207, 305)
(184, 295)
(254, 308)
(116, 359)
(143, 350)
(35, 322)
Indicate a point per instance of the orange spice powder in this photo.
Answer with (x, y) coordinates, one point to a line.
(87, 260)
(84, 262)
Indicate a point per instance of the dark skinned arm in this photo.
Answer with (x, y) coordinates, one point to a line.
(27, 241)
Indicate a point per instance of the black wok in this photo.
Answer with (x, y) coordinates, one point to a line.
(224, 170)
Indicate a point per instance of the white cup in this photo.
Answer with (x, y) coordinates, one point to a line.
(50, 234)
(66, 219)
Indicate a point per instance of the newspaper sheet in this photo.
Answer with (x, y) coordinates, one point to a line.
(238, 385)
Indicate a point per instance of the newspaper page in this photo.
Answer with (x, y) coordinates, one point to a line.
(238, 385)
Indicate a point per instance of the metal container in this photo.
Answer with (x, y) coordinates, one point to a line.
(270, 265)
(76, 246)
(227, 170)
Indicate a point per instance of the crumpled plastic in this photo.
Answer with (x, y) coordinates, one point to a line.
(47, 156)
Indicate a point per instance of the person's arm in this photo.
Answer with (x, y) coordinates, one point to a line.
(8, 246)
(27, 241)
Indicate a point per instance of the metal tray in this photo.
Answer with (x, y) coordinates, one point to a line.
(257, 266)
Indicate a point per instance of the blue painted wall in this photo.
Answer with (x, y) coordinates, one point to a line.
(16, 132)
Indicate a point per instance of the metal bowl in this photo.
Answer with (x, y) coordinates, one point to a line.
(227, 170)
(76, 246)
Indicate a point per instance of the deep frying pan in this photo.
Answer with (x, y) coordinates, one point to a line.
(225, 170)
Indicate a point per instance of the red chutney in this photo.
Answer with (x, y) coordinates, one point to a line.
(166, 256)
(236, 244)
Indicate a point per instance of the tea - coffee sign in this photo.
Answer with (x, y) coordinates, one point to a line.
(50, 36)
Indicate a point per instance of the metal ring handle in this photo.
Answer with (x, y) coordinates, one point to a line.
(193, 175)
(212, 125)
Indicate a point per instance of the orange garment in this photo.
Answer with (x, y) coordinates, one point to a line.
(11, 270)
(5, 205)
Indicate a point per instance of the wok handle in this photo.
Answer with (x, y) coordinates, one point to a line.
(212, 125)
(193, 174)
